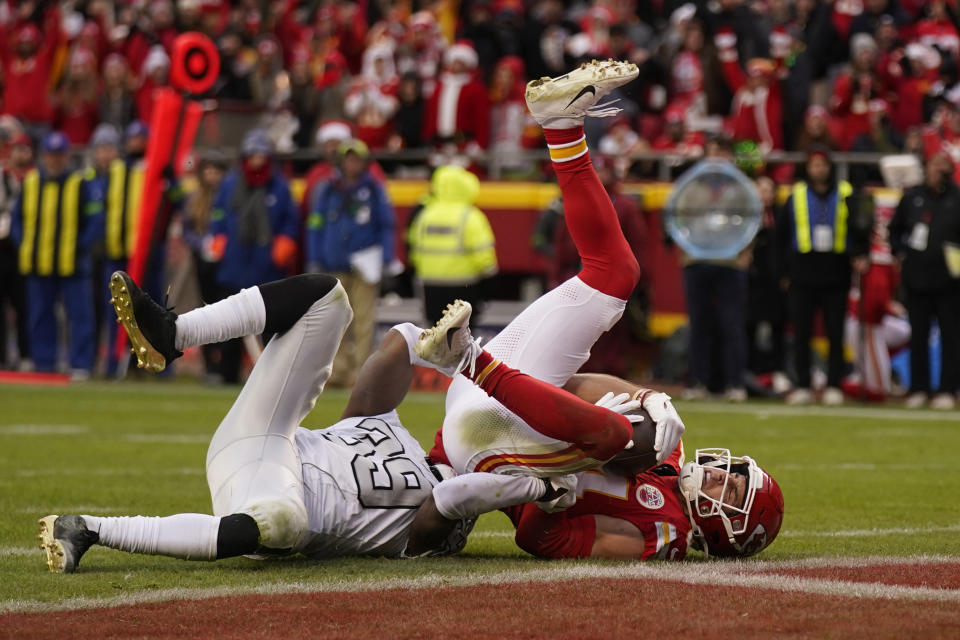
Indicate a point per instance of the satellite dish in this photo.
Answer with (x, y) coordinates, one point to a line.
(714, 211)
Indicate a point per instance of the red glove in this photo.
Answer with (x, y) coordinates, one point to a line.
(214, 246)
(284, 252)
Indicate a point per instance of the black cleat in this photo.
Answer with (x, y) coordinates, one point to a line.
(151, 328)
(65, 539)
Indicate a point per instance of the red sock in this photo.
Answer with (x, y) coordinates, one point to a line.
(608, 262)
(598, 432)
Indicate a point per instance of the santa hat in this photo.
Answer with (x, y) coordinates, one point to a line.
(156, 59)
(462, 51)
(333, 130)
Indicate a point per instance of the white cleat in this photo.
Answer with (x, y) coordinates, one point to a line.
(449, 344)
(563, 102)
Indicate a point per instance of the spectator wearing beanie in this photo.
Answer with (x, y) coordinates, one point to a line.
(254, 229)
(54, 255)
(854, 89)
(350, 234)
(156, 71)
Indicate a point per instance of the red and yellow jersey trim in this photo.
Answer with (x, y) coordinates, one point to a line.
(562, 458)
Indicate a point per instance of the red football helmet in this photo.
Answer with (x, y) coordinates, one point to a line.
(727, 530)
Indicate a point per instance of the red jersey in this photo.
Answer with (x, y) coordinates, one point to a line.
(650, 501)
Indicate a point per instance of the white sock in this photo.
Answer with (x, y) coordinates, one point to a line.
(190, 536)
(242, 314)
(471, 494)
(411, 333)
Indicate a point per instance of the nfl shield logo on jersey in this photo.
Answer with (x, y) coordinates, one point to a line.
(649, 496)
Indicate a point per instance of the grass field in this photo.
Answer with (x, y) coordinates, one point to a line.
(857, 482)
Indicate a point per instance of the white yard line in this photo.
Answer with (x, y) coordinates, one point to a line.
(866, 533)
(43, 430)
(775, 410)
(789, 533)
(738, 574)
(166, 438)
(20, 551)
(109, 471)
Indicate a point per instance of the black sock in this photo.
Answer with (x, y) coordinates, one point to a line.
(287, 300)
(238, 535)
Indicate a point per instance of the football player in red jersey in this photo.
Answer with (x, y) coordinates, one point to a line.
(729, 504)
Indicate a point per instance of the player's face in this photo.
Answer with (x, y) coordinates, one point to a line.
(729, 490)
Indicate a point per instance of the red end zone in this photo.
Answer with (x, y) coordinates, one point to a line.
(716, 603)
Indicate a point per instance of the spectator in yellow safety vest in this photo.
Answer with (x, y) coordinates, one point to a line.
(55, 221)
(823, 238)
(451, 243)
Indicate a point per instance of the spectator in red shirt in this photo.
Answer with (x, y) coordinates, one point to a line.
(854, 89)
(27, 75)
(676, 137)
(76, 109)
(156, 70)
(458, 113)
(371, 100)
(936, 29)
(422, 50)
(757, 110)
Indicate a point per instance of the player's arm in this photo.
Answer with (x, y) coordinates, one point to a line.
(383, 380)
(560, 535)
(466, 496)
(592, 386)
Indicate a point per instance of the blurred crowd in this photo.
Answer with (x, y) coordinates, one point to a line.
(865, 75)
(348, 80)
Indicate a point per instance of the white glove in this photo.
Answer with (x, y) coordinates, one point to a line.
(561, 493)
(669, 425)
(620, 403)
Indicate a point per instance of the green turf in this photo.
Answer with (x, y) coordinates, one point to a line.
(139, 448)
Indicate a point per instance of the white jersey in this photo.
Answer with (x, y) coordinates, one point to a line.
(363, 480)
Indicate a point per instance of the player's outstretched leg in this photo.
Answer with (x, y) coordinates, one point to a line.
(253, 467)
(559, 105)
(159, 335)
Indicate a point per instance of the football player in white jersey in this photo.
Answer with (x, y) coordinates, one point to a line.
(276, 488)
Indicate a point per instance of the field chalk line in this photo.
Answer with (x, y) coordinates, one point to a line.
(735, 574)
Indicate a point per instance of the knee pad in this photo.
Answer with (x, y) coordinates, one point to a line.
(287, 300)
(282, 522)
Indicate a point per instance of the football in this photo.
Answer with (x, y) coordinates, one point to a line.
(641, 456)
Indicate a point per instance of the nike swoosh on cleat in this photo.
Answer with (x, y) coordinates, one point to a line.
(450, 338)
(587, 89)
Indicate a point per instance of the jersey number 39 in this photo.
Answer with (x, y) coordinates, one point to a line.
(386, 477)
